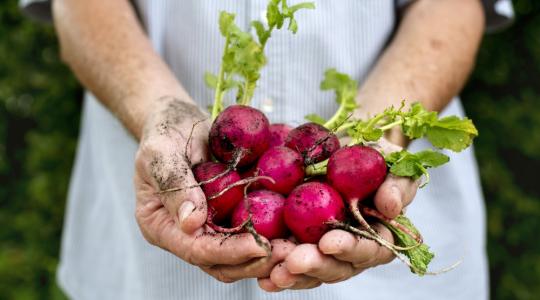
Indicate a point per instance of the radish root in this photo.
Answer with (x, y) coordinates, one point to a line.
(374, 213)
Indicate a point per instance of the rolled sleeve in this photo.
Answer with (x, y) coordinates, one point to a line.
(37, 9)
(499, 13)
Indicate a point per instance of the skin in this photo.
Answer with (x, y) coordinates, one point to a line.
(428, 60)
(105, 46)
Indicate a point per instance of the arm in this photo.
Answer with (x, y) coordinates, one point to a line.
(428, 60)
(102, 41)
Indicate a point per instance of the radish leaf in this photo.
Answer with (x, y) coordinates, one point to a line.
(419, 256)
(406, 164)
(345, 89)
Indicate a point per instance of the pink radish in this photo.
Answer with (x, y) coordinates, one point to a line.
(219, 179)
(356, 172)
(278, 134)
(285, 166)
(313, 141)
(239, 135)
(310, 207)
(266, 213)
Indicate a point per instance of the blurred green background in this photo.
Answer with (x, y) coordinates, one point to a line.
(39, 119)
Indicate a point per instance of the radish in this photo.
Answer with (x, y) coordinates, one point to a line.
(214, 179)
(239, 135)
(251, 172)
(313, 141)
(356, 172)
(266, 213)
(285, 166)
(278, 134)
(310, 208)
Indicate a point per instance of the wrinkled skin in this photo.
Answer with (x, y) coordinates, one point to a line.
(239, 128)
(175, 221)
(267, 214)
(314, 142)
(285, 166)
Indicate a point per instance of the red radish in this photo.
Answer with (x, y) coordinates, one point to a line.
(278, 134)
(266, 214)
(310, 207)
(220, 207)
(239, 132)
(285, 166)
(356, 172)
(250, 172)
(313, 141)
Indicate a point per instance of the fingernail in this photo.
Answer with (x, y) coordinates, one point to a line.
(185, 210)
(287, 285)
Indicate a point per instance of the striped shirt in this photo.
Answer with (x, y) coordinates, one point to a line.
(104, 256)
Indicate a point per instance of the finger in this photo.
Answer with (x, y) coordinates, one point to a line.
(255, 268)
(168, 171)
(307, 259)
(394, 194)
(208, 249)
(267, 285)
(361, 252)
(284, 279)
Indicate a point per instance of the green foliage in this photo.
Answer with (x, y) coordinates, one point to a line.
(406, 164)
(503, 99)
(345, 88)
(243, 57)
(39, 117)
(448, 132)
(419, 255)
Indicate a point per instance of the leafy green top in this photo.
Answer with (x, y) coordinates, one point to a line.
(406, 164)
(345, 89)
(418, 254)
(243, 56)
(449, 132)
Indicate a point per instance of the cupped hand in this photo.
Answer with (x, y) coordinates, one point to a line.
(339, 254)
(174, 139)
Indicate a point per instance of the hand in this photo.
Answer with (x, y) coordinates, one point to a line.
(175, 221)
(340, 255)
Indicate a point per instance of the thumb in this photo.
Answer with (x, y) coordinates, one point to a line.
(187, 204)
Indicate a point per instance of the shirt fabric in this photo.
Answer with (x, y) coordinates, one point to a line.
(104, 255)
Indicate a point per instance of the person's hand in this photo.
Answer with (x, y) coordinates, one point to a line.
(339, 254)
(175, 221)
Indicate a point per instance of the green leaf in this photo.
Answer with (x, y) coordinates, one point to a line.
(293, 26)
(345, 89)
(210, 80)
(420, 256)
(315, 119)
(431, 159)
(452, 133)
(406, 164)
(225, 21)
(303, 5)
(447, 133)
(261, 31)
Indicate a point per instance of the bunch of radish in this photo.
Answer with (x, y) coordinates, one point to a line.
(281, 182)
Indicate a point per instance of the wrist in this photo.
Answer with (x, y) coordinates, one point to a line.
(169, 114)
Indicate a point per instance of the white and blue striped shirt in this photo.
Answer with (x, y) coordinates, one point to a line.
(104, 256)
